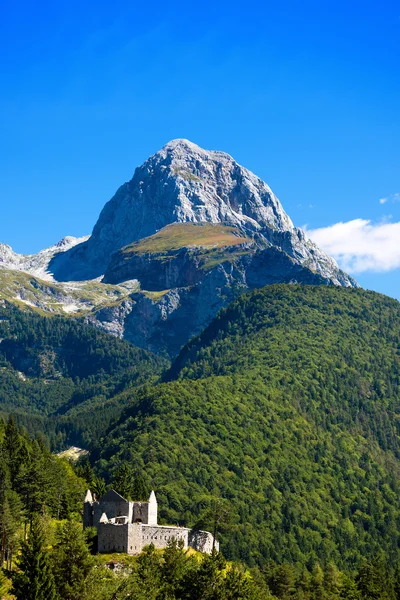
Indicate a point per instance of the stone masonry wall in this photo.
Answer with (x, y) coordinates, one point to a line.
(140, 512)
(160, 535)
(112, 538)
(112, 509)
(135, 538)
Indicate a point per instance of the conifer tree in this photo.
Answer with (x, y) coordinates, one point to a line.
(4, 583)
(72, 561)
(281, 580)
(123, 480)
(10, 514)
(98, 487)
(34, 579)
(237, 585)
(208, 581)
(139, 491)
(148, 575)
(12, 446)
(374, 581)
(175, 570)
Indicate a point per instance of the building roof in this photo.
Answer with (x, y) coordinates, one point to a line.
(112, 496)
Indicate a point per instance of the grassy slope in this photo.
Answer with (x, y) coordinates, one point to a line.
(24, 290)
(287, 406)
(181, 235)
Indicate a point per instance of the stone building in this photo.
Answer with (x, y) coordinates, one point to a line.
(125, 526)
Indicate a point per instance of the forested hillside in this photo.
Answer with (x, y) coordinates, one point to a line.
(56, 371)
(45, 555)
(32, 481)
(286, 407)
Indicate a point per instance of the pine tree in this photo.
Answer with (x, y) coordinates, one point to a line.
(10, 514)
(32, 483)
(281, 580)
(72, 561)
(140, 491)
(332, 581)
(4, 583)
(147, 580)
(238, 586)
(348, 588)
(175, 570)
(12, 446)
(208, 581)
(374, 581)
(98, 487)
(123, 480)
(317, 582)
(34, 578)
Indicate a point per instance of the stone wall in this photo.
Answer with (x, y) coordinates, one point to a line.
(160, 535)
(135, 538)
(140, 512)
(87, 514)
(112, 509)
(112, 538)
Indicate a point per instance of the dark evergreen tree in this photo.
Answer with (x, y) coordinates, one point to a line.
(123, 481)
(34, 578)
(281, 580)
(72, 561)
(374, 580)
(12, 446)
(140, 491)
(208, 583)
(99, 487)
(175, 571)
(148, 575)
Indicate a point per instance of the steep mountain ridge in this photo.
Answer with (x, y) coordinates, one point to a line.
(36, 264)
(182, 183)
(189, 233)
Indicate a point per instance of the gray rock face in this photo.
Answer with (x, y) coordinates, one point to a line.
(184, 183)
(163, 324)
(36, 264)
(146, 232)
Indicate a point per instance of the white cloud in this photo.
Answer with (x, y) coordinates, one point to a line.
(392, 198)
(361, 245)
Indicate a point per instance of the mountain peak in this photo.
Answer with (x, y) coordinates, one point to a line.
(183, 183)
(181, 148)
(182, 143)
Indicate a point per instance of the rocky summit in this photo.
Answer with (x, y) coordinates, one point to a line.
(193, 229)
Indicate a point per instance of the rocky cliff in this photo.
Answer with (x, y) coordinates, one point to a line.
(182, 183)
(194, 229)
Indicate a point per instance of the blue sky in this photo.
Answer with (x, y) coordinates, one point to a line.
(305, 94)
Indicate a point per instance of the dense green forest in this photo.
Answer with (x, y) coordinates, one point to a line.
(287, 408)
(59, 375)
(32, 481)
(279, 425)
(45, 554)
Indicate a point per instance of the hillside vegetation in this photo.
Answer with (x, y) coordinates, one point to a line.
(78, 298)
(58, 375)
(181, 235)
(287, 407)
